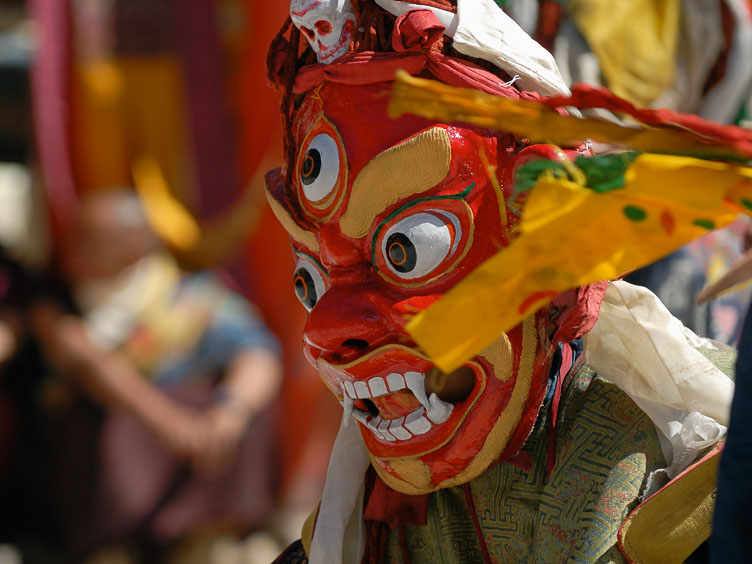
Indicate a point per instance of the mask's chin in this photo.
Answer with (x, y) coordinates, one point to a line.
(488, 398)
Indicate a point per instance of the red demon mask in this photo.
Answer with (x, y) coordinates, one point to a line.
(385, 217)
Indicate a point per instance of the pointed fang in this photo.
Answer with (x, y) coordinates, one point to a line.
(347, 409)
(439, 411)
(416, 382)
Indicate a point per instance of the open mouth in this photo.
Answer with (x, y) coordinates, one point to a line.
(389, 393)
(400, 396)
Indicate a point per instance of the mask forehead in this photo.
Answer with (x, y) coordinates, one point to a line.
(360, 115)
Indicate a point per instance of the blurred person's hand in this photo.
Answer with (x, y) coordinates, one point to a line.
(252, 383)
(179, 429)
(112, 381)
(224, 425)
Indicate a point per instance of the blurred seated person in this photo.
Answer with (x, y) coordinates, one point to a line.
(183, 374)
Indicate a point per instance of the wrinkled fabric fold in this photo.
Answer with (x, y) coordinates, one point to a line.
(481, 29)
(370, 67)
(495, 38)
(484, 31)
(652, 357)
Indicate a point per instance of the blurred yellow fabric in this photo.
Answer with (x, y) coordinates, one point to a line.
(124, 108)
(166, 215)
(635, 42)
(435, 100)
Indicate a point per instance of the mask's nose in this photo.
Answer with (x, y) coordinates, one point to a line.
(349, 320)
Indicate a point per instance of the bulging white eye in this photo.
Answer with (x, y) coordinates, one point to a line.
(319, 168)
(416, 245)
(309, 283)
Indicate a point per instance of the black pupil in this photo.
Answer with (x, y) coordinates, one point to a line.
(401, 252)
(305, 288)
(311, 167)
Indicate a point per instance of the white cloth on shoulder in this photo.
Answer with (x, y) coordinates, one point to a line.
(643, 349)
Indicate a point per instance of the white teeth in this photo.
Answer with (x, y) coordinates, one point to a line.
(377, 387)
(416, 382)
(397, 429)
(368, 421)
(347, 408)
(383, 427)
(372, 424)
(361, 390)
(360, 415)
(439, 411)
(417, 423)
(396, 382)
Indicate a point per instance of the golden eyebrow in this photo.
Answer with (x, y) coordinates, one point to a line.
(409, 168)
(301, 235)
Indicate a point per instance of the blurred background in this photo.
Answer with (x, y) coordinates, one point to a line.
(154, 402)
(167, 100)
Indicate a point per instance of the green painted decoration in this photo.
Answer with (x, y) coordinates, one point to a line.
(705, 223)
(603, 173)
(634, 213)
(606, 172)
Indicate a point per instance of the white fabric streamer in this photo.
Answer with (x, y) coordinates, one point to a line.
(486, 32)
(339, 536)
